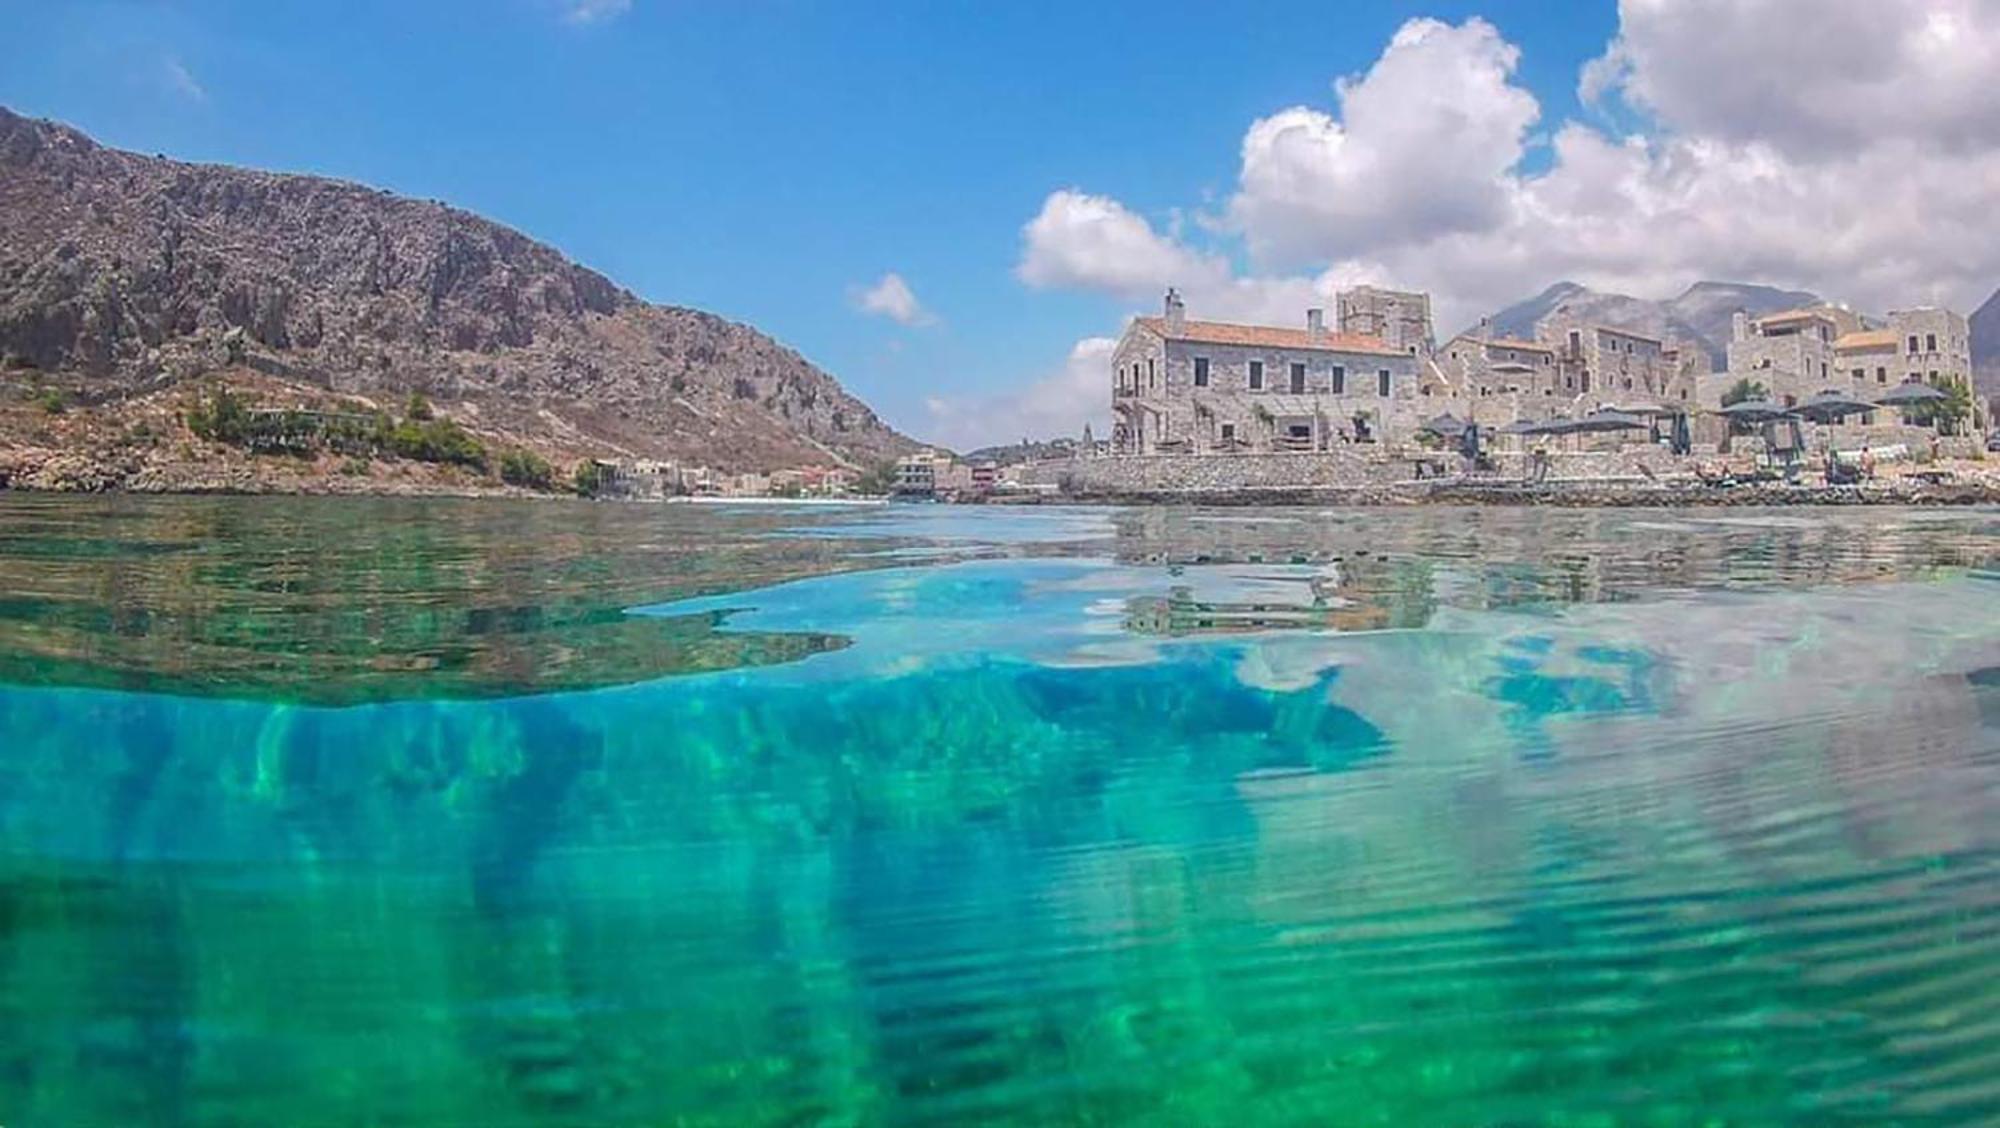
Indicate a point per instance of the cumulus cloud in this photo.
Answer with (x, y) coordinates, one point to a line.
(891, 297)
(1422, 146)
(1846, 146)
(593, 11)
(1055, 405)
(1807, 76)
(1085, 242)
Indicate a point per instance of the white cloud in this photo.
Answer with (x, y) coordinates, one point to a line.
(891, 297)
(1085, 242)
(1422, 146)
(182, 81)
(1858, 161)
(593, 11)
(1808, 76)
(1054, 406)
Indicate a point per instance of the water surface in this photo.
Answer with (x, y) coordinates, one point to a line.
(338, 812)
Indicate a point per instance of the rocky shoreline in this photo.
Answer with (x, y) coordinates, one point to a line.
(1582, 494)
(56, 472)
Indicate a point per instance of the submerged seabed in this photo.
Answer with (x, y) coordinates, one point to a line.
(1156, 818)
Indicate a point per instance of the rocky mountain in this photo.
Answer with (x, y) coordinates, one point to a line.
(122, 274)
(1700, 314)
(1985, 322)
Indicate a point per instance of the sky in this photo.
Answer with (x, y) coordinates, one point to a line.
(954, 208)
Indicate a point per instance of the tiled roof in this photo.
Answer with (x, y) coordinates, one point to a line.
(1517, 343)
(1867, 339)
(1820, 313)
(1268, 336)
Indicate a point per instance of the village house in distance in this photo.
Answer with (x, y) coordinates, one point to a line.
(1799, 353)
(1181, 385)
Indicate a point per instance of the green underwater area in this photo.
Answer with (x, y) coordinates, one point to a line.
(1086, 834)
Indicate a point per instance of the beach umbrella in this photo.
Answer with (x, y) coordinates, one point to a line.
(1910, 393)
(1608, 420)
(1831, 406)
(1522, 427)
(1755, 411)
(1446, 426)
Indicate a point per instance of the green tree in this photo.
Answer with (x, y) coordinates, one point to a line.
(877, 479)
(1948, 413)
(1744, 389)
(418, 408)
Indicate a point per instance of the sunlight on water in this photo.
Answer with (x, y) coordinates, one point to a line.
(950, 817)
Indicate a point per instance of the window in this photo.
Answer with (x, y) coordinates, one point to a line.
(1339, 378)
(1933, 375)
(1861, 374)
(1930, 342)
(1913, 344)
(1881, 375)
(1382, 382)
(1822, 370)
(1229, 432)
(1201, 372)
(1256, 375)
(1298, 379)
(1575, 342)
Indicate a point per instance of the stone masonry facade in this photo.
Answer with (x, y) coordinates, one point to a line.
(1186, 386)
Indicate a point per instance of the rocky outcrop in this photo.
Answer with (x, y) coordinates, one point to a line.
(121, 272)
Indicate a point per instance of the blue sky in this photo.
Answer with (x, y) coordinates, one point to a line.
(770, 161)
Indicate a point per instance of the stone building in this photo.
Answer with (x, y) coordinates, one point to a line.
(1799, 353)
(1400, 319)
(1791, 354)
(1185, 386)
(1479, 365)
(1572, 366)
(1602, 364)
(1932, 345)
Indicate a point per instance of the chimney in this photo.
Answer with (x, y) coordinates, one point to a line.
(1176, 312)
(1739, 326)
(1316, 326)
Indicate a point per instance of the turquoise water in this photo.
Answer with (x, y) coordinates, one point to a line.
(503, 814)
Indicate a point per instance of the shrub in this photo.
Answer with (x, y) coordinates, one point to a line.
(52, 401)
(221, 417)
(528, 469)
(590, 478)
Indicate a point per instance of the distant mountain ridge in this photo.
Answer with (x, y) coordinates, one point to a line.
(1985, 326)
(1701, 314)
(121, 272)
